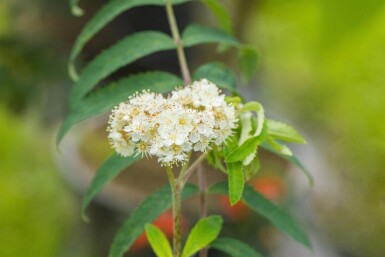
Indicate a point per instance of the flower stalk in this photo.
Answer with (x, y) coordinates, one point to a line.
(185, 174)
(202, 200)
(176, 189)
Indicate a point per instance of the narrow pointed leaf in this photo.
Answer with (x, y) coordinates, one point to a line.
(122, 53)
(199, 34)
(202, 234)
(244, 150)
(292, 159)
(101, 18)
(234, 247)
(236, 181)
(280, 148)
(284, 132)
(217, 73)
(105, 174)
(153, 206)
(258, 203)
(106, 98)
(158, 241)
(221, 14)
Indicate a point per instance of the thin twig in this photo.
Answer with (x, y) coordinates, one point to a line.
(203, 190)
(191, 169)
(202, 200)
(178, 42)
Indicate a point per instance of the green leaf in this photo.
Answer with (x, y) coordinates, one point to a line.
(221, 14)
(252, 106)
(258, 203)
(199, 34)
(284, 132)
(202, 234)
(122, 53)
(247, 61)
(243, 151)
(217, 73)
(280, 148)
(75, 9)
(104, 15)
(292, 159)
(153, 206)
(250, 170)
(246, 126)
(236, 181)
(158, 241)
(105, 174)
(104, 99)
(234, 247)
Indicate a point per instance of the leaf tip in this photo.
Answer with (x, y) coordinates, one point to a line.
(148, 226)
(72, 72)
(77, 11)
(233, 202)
(216, 219)
(85, 218)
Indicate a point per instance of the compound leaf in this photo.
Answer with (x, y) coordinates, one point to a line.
(122, 53)
(101, 18)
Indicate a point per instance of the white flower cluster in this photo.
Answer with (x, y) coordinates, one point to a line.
(191, 119)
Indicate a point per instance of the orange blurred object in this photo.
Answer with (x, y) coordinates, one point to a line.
(273, 188)
(236, 212)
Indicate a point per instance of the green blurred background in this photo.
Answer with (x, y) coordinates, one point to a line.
(321, 68)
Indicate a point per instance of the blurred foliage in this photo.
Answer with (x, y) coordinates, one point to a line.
(36, 210)
(29, 59)
(25, 71)
(323, 62)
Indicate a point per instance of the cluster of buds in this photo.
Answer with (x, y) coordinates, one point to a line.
(192, 118)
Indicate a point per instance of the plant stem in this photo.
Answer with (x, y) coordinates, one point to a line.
(203, 189)
(177, 185)
(178, 42)
(191, 169)
(202, 200)
(176, 189)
